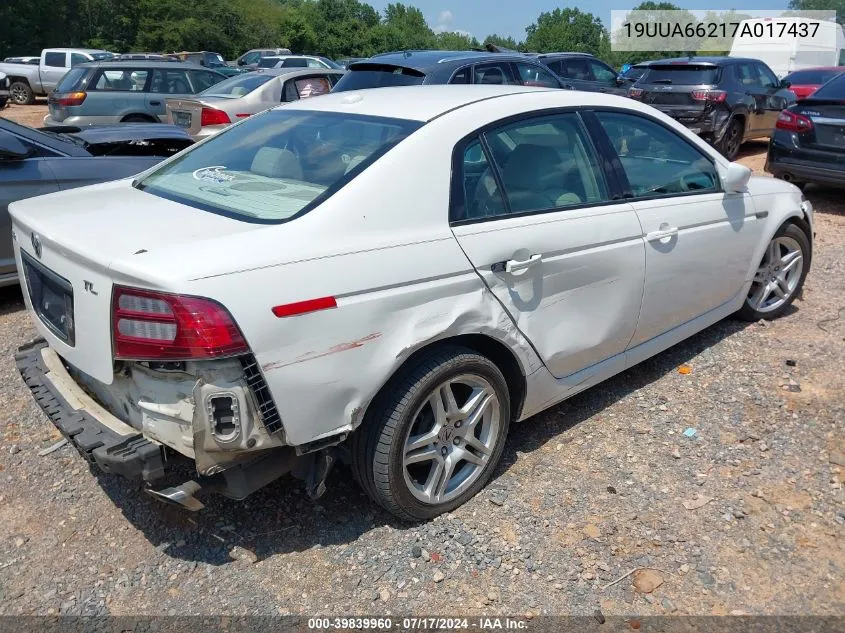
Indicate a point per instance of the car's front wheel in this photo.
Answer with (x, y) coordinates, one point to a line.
(433, 439)
(779, 276)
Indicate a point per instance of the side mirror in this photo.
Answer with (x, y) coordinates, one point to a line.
(785, 84)
(241, 62)
(734, 177)
(11, 149)
(620, 80)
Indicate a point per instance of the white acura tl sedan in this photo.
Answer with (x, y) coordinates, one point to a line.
(388, 277)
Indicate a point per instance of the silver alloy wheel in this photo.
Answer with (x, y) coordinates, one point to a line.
(451, 439)
(18, 94)
(778, 275)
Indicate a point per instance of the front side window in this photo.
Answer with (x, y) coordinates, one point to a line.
(203, 80)
(172, 82)
(55, 60)
(251, 58)
(530, 75)
(767, 78)
(276, 165)
(602, 73)
(656, 161)
(544, 163)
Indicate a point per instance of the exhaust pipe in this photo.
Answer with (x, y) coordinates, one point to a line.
(182, 496)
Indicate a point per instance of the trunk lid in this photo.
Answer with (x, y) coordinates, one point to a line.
(186, 114)
(828, 117)
(669, 88)
(66, 245)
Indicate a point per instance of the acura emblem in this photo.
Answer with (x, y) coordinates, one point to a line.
(36, 244)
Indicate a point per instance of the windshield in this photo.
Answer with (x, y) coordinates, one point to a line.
(364, 75)
(682, 75)
(277, 165)
(237, 86)
(833, 89)
(72, 79)
(331, 64)
(811, 77)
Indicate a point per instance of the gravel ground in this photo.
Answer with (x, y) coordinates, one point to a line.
(746, 516)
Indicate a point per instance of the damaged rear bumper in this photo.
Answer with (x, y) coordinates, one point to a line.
(101, 438)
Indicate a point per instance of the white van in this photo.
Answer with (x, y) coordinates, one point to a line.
(774, 41)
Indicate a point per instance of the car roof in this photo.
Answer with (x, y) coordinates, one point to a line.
(423, 103)
(147, 63)
(562, 54)
(423, 60)
(292, 72)
(703, 61)
(75, 50)
(836, 68)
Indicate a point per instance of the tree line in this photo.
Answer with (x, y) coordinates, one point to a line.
(335, 28)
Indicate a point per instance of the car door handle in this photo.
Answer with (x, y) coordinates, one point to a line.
(156, 103)
(662, 233)
(515, 265)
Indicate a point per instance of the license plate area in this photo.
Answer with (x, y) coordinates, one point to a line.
(182, 119)
(51, 297)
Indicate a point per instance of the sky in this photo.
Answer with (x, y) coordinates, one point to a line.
(509, 17)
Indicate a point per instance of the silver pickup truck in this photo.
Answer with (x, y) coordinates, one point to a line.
(28, 81)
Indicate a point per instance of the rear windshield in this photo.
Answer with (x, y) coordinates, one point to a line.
(237, 86)
(811, 77)
(72, 79)
(833, 89)
(682, 75)
(276, 166)
(363, 75)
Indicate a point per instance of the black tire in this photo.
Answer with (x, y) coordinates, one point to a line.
(20, 93)
(377, 447)
(747, 312)
(2, 102)
(731, 140)
(137, 118)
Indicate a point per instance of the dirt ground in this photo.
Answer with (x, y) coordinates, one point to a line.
(746, 516)
(28, 115)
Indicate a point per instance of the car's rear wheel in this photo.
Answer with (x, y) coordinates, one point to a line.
(780, 275)
(732, 139)
(434, 437)
(21, 94)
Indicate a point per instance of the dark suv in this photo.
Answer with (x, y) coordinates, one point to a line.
(409, 68)
(583, 72)
(727, 100)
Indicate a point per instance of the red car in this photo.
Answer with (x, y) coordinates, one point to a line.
(805, 82)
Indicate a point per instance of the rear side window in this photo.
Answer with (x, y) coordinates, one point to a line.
(311, 87)
(55, 60)
(274, 166)
(295, 62)
(72, 80)
(833, 89)
(367, 75)
(124, 80)
(463, 76)
(655, 159)
(575, 68)
(682, 75)
(267, 62)
(496, 74)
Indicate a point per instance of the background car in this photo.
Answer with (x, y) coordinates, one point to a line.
(727, 100)
(128, 91)
(345, 61)
(4, 90)
(408, 68)
(30, 81)
(158, 57)
(250, 59)
(34, 162)
(210, 60)
(583, 72)
(239, 97)
(632, 74)
(803, 83)
(808, 144)
(392, 277)
(298, 61)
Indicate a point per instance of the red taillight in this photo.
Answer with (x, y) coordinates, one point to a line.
(71, 99)
(213, 116)
(713, 96)
(148, 325)
(635, 93)
(792, 122)
(243, 115)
